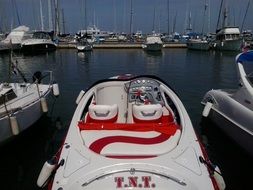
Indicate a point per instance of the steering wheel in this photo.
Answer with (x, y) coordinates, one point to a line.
(143, 96)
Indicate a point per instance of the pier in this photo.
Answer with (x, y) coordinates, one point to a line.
(119, 45)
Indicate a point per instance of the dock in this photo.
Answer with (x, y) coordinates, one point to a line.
(119, 45)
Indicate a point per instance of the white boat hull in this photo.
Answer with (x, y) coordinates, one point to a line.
(25, 118)
(128, 150)
(232, 117)
(35, 45)
(26, 108)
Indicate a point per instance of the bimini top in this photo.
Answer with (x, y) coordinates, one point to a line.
(245, 57)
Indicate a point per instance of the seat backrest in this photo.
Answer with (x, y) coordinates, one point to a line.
(147, 112)
(102, 113)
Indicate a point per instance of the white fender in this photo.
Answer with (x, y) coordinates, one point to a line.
(43, 103)
(207, 109)
(45, 172)
(219, 179)
(79, 97)
(56, 90)
(14, 125)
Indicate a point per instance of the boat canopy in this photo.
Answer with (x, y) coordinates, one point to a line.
(245, 57)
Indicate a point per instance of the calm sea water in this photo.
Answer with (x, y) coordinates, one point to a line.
(190, 73)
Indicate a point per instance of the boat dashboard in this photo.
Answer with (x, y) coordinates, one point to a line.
(144, 90)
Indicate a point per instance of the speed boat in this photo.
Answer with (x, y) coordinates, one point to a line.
(38, 41)
(130, 132)
(232, 109)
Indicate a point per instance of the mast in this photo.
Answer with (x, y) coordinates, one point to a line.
(63, 22)
(219, 15)
(246, 12)
(14, 4)
(85, 15)
(153, 28)
(114, 16)
(131, 17)
(50, 23)
(168, 15)
(57, 28)
(174, 23)
(41, 17)
(203, 26)
(208, 20)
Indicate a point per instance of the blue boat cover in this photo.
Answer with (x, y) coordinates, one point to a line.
(246, 56)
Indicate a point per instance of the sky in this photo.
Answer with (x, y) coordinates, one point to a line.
(114, 15)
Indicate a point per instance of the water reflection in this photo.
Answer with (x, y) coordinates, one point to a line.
(24, 155)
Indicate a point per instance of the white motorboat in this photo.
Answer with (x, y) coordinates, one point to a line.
(22, 104)
(153, 43)
(37, 41)
(130, 133)
(232, 110)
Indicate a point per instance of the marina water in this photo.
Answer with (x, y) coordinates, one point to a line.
(190, 73)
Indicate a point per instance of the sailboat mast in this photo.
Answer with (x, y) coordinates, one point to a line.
(168, 9)
(131, 17)
(50, 23)
(114, 16)
(56, 17)
(174, 23)
(208, 20)
(41, 17)
(153, 28)
(85, 15)
(63, 22)
(219, 15)
(204, 17)
(246, 12)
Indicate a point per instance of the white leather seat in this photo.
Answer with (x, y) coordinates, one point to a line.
(103, 112)
(147, 112)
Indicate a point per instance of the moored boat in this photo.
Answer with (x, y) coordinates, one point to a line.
(37, 41)
(130, 132)
(231, 109)
(14, 38)
(84, 45)
(198, 44)
(23, 103)
(153, 43)
(228, 39)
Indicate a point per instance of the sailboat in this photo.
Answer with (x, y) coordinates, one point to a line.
(23, 103)
(85, 41)
(201, 43)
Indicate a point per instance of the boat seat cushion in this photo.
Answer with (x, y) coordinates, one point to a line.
(147, 112)
(104, 113)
